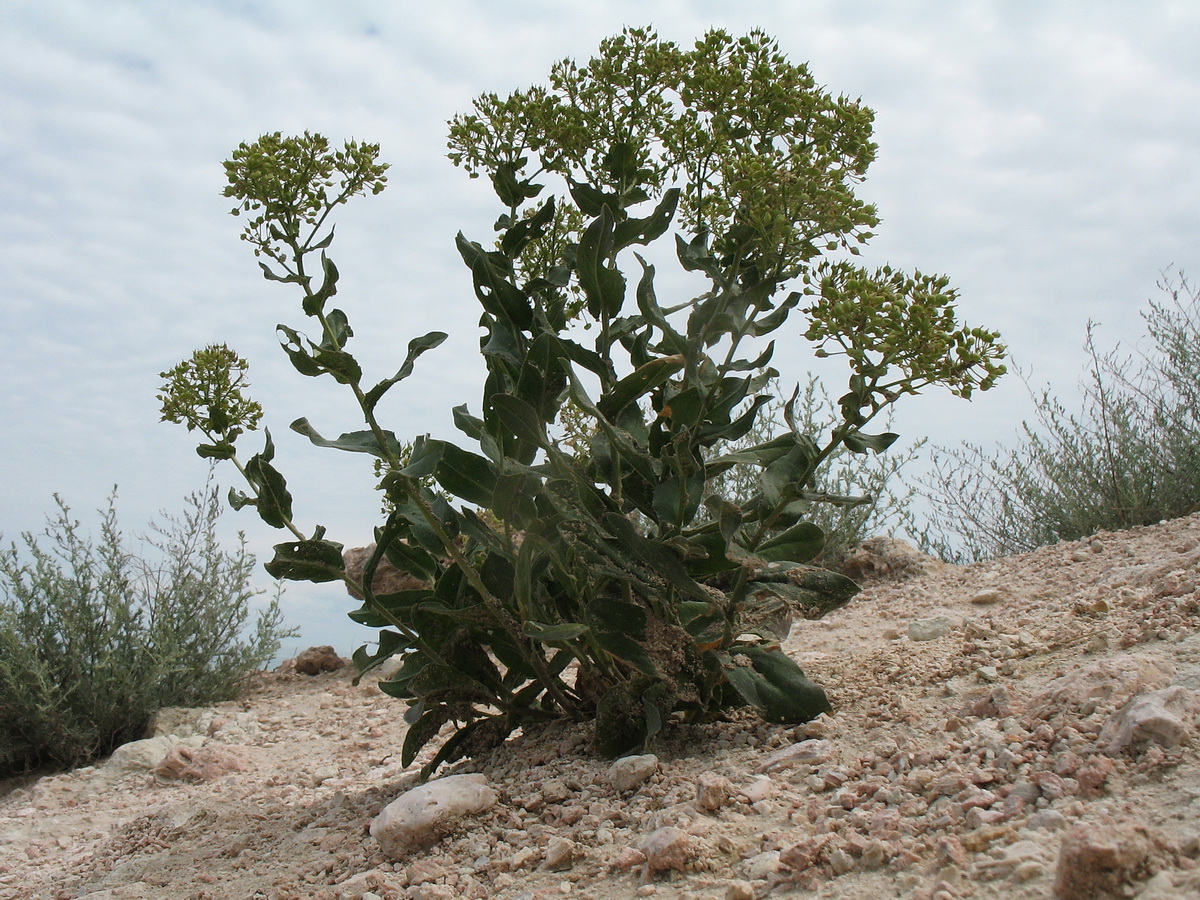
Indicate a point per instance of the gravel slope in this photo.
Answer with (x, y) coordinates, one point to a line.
(1044, 729)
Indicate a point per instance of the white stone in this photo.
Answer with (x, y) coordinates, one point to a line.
(139, 757)
(630, 772)
(422, 816)
(1158, 717)
(929, 629)
(809, 752)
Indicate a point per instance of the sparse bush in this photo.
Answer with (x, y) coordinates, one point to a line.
(94, 638)
(859, 492)
(1130, 456)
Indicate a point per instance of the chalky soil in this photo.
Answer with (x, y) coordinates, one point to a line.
(1021, 728)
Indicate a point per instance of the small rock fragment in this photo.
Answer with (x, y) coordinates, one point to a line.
(739, 890)
(1110, 681)
(1098, 861)
(757, 790)
(667, 848)
(197, 764)
(422, 816)
(762, 866)
(1159, 717)
(809, 752)
(629, 857)
(929, 629)
(560, 853)
(986, 597)
(630, 772)
(712, 791)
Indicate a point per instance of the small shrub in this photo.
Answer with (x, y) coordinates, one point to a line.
(578, 576)
(1130, 456)
(94, 638)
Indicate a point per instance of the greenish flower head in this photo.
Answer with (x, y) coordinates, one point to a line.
(206, 392)
(289, 185)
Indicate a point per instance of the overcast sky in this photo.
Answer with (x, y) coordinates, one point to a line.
(1043, 154)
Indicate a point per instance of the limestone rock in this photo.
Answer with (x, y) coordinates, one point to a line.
(630, 772)
(1107, 682)
(712, 791)
(427, 813)
(929, 629)
(809, 752)
(1101, 861)
(884, 557)
(1160, 717)
(141, 757)
(197, 764)
(388, 579)
(667, 848)
(316, 660)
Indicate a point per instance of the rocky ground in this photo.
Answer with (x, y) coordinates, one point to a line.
(1022, 728)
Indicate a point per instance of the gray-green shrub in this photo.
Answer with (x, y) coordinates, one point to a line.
(94, 638)
(1129, 456)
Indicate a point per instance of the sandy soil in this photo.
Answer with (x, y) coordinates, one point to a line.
(953, 767)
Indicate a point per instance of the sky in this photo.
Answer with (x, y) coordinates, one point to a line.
(1044, 155)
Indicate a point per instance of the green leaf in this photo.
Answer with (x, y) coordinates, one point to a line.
(354, 441)
(315, 302)
(422, 731)
(651, 228)
(771, 322)
(660, 559)
(639, 383)
(273, 502)
(774, 685)
(520, 419)
(318, 561)
(302, 360)
(221, 450)
(416, 347)
(812, 592)
(591, 202)
(549, 634)
(466, 475)
(399, 604)
(858, 442)
(338, 331)
(619, 627)
(796, 545)
(390, 643)
(604, 287)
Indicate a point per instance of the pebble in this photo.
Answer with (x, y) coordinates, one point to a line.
(757, 790)
(630, 772)
(929, 629)
(422, 816)
(667, 848)
(810, 752)
(1101, 860)
(561, 853)
(712, 791)
(986, 597)
(1047, 820)
(763, 865)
